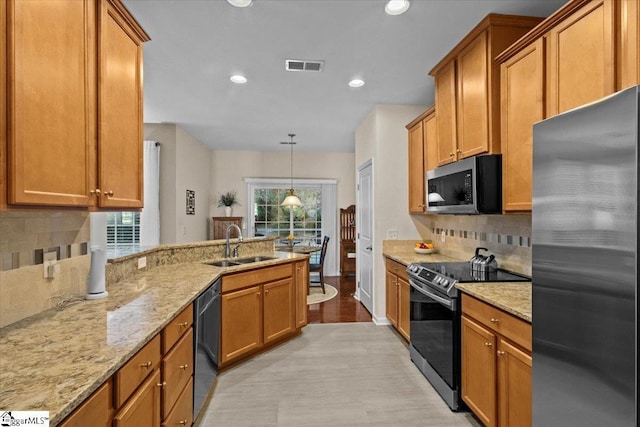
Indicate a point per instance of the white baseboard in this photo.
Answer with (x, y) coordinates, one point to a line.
(380, 321)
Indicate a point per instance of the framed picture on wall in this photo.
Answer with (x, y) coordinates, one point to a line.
(191, 202)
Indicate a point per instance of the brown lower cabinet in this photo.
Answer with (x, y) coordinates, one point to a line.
(496, 364)
(261, 307)
(397, 297)
(155, 386)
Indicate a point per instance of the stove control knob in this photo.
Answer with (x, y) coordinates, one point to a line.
(445, 283)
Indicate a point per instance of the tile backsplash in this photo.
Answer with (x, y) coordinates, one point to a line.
(506, 236)
(24, 238)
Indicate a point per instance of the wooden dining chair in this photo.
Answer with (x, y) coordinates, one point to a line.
(318, 268)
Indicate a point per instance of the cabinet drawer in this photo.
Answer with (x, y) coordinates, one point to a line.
(143, 409)
(177, 368)
(507, 325)
(398, 269)
(97, 410)
(183, 411)
(131, 375)
(256, 277)
(178, 326)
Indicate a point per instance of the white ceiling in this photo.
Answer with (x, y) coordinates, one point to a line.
(197, 44)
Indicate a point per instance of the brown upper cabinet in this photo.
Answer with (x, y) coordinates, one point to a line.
(565, 62)
(422, 152)
(580, 57)
(467, 88)
(74, 104)
(629, 68)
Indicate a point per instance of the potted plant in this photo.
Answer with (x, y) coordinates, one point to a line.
(228, 200)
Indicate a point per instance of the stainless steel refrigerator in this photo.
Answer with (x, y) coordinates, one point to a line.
(585, 265)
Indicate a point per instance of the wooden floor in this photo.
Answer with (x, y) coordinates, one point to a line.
(343, 374)
(342, 308)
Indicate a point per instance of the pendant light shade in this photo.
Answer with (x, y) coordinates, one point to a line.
(291, 199)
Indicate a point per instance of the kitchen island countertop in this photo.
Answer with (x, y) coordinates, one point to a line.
(54, 360)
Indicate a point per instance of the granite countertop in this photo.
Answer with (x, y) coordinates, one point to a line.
(512, 297)
(56, 359)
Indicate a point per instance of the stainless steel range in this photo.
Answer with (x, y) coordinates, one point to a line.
(435, 317)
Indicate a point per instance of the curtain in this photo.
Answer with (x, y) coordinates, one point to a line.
(329, 227)
(150, 215)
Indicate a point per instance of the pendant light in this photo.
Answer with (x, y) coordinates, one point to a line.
(291, 199)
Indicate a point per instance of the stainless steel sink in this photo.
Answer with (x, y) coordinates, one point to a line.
(249, 260)
(239, 261)
(223, 263)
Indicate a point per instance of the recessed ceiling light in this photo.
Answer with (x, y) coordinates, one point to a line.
(397, 7)
(356, 83)
(237, 78)
(240, 3)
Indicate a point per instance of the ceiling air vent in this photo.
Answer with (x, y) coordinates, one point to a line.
(303, 65)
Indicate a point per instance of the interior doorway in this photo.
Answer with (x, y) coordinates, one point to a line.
(364, 236)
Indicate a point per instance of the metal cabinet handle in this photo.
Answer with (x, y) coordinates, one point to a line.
(494, 320)
(162, 384)
(451, 154)
(146, 365)
(183, 324)
(266, 291)
(458, 151)
(500, 353)
(109, 193)
(96, 191)
(185, 366)
(183, 422)
(488, 344)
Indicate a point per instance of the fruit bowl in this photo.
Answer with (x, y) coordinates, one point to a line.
(425, 250)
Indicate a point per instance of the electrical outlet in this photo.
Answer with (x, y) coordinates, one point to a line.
(142, 262)
(392, 234)
(49, 262)
(443, 235)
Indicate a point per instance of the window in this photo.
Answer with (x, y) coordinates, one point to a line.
(316, 218)
(273, 220)
(123, 230)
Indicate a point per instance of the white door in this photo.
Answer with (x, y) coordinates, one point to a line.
(365, 238)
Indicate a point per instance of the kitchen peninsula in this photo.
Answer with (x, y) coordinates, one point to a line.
(83, 343)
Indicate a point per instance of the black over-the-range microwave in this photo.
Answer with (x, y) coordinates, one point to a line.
(469, 186)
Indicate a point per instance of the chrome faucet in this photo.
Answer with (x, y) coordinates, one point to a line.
(227, 248)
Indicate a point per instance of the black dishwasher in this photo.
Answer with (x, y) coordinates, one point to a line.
(207, 341)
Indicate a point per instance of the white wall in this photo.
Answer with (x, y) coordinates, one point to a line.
(184, 164)
(382, 136)
(230, 168)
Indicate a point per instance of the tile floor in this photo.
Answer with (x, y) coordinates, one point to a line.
(341, 374)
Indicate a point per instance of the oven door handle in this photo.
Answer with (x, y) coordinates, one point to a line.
(447, 303)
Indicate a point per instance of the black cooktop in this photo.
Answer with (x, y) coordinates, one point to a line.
(461, 272)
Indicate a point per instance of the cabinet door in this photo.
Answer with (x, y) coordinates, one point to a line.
(416, 169)
(279, 309)
(514, 386)
(51, 102)
(580, 57)
(479, 371)
(143, 409)
(182, 412)
(97, 410)
(522, 94)
(403, 307)
(629, 43)
(302, 289)
(445, 93)
(473, 99)
(120, 110)
(430, 137)
(3, 107)
(241, 319)
(177, 368)
(392, 298)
